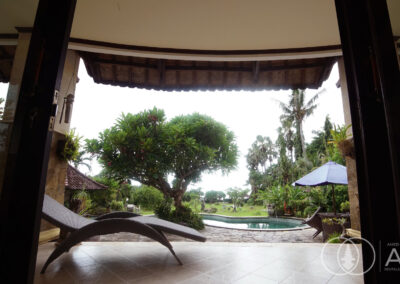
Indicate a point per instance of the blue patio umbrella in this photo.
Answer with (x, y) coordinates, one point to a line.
(329, 173)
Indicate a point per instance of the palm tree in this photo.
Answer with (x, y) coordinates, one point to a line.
(80, 160)
(296, 111)
(261, 152)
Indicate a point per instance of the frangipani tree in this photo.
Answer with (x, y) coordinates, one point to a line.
(147, 148)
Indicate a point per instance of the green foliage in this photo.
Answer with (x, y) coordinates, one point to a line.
(309, 210)
(97, 210)
(262, 151)
(163, 210)
(334, 238)
(296, 199)
(80, 159)
(276, 196)
(341, 195)
(147, 148)
(318, 198)
(237, 196)
(294, 114)
(345, 206)
(184, 215)
(213, 210)
(319, 150)
(85, 202)
(339, 133)
(117, 205)
(103, 198)
(81, 195)
(334, 221)
(147, 197)
(196, 193)
(70, 150)
(213, 196)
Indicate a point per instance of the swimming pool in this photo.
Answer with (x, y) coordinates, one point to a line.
(253, 223)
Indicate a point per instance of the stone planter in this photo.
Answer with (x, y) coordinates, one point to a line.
(331, 227)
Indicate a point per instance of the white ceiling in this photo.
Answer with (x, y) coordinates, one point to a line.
(198, 24)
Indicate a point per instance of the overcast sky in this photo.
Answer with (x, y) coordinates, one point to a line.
(247, 114)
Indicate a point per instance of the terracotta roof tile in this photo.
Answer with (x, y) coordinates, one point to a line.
(75, 180)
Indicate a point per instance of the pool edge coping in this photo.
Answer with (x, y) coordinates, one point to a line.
(306, 227)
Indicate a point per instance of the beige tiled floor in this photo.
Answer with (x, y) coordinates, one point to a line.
(139, 262)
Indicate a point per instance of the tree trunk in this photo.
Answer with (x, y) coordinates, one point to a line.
(178, 200)
(302, 142)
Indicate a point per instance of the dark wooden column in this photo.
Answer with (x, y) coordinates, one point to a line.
(373, 81)
(25, 176)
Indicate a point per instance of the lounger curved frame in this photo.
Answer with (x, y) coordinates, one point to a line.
(108, 226)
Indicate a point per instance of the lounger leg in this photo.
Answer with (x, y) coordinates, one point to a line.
(174, 254)
(316, 233)
(60, 249)
(170, 248)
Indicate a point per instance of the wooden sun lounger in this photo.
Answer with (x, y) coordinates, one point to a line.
(315, 222)
(81, 228)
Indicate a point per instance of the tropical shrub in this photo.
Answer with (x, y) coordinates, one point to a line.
(345, 206)
(296, 199)
(147, 197)
(309, 210)
(276, 196)
(163, 210)
(103, 198)
(318, 198)
(184, 215)
(117, 205)
(341, 195)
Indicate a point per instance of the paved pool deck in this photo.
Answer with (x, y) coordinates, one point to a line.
(208, 263)
(214, 234)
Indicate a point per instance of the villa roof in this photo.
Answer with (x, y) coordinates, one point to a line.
(185, 75)
(75, 180)
(195, 45)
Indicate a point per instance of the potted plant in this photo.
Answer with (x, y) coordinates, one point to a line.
(340, 139)
(68, 148)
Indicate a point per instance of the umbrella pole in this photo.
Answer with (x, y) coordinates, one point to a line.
(333, 199)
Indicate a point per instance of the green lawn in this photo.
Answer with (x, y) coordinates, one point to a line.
(146, 212)
(222, 209)
(226, 209)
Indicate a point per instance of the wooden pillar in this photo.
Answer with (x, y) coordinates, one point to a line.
(373, 82)
(350, 161)
(25, 176)
(14, 85)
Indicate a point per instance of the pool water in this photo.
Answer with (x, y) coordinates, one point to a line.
(265, 223)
